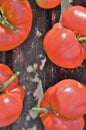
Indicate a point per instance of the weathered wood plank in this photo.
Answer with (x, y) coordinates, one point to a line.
(2, 57)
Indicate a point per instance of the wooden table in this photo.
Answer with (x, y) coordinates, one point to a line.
(37, 72)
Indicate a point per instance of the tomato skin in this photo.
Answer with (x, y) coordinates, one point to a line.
(74, 18)
(62, 47)
(11, 105)
(58, 26)
(20, 16)
(69, 93)
(5, 74)
(53, 121)
(47, 4)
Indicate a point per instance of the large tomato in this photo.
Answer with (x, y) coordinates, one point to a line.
(74, 18)
(54, 121)
(15, 23)
(62, 47)
(47, 4)
(11, 96)
(63, 106)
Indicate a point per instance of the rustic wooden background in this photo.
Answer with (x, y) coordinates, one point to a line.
(37, 73)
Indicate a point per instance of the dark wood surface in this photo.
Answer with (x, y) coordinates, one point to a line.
(37, 73)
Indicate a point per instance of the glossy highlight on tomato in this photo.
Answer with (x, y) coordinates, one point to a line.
(15, 23)
(62, 47)
(74, 18)
(47, 4)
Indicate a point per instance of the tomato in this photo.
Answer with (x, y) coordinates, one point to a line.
(15, 23)
(68, 98)
(74, 18)
(63, 48)
(47, 4)
(11, 96)
(5, 74)
(63, 106)
(53, 120)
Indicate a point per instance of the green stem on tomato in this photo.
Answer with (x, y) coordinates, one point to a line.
(43, 109)
(6, 83)
(46, 110)
(80, 38)
(4, 21)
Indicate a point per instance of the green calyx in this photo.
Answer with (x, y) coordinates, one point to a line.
(4, 21)
(6, 83)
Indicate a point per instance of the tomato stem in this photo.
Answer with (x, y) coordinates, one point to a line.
(6, 83)
(4, 21)
(43, 109)
(46, 110)
(81, 38)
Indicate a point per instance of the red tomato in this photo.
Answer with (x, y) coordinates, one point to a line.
(68, 98)
(74, 18)
(5, 74)
(53, 121)
(62, 47)
(47, 4)
(11, 96)
(11, 105)
(19, 14)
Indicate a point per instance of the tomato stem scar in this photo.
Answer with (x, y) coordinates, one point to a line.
(6, 83)
(4, 21)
